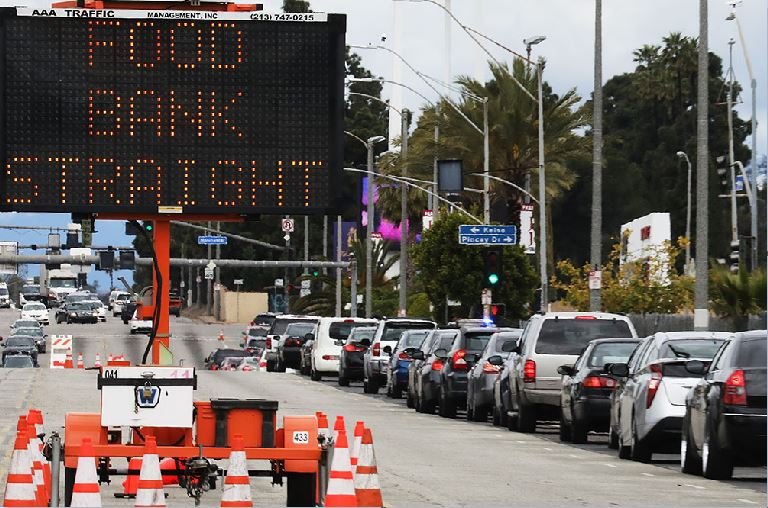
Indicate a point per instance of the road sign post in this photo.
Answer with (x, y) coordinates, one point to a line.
(211, 240)
(474, 234)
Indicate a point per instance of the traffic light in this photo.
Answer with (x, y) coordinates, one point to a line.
(127, 260)
(492, 268)
(722, 174)
(148, 226)
(315, 272)
(106, 260)
(498, 310)
(131, 229)
(734, 257)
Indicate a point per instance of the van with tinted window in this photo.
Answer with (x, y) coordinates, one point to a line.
(547, 342)
(332, 334)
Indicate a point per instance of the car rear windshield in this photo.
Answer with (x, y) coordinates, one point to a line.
(393, 330)
(34, 306)
(570, 336)
(752, 353)
(19, 342)
(3, 292)
(340, 331)
(446, 341)
(78, 306)
(359, 334)
(476, 341)
(690, 348)
(257, 332)
(257, 343)
(412, 340)
(502, 341)
(280, 325)
(34, 332)
(611, 352)
(18, 361)
(31, 290)
(264, 320)
(299, 329)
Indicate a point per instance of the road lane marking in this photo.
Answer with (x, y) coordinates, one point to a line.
(609, 465)
(694, 486)
(648, 474)
(747, 501)
(548, 449)
(573, 456)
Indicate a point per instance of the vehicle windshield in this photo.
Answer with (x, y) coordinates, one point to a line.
(359, 333)
(34, 306)
(62, 283)
(690, 348)
(571, 336)
(232, 362)
(76, 298)
(264, 320)
(446, 340)
(504, 339)
(30, 290)
(19, 342)
(412, 340)
(26, 323)
(34, 332)
(229, 353)
(280, 325)
(476, 341)
(94, 305)
(261, 343)
(257, 332)
(752, 353)
(393, 330)
(16, 361)
(78, 306)
(340, 331)
(299, 329)
(610, 352)
(3, 292)
(123, 297)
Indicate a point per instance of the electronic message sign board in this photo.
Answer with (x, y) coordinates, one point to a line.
(128, 111)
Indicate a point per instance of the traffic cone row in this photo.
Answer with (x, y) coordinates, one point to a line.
(97, 362)
(35, 419)
(85, 492)
(367, 487)
(150, 493)
(221, 335)
(357, 438)
(236, 492)
(80, 363)
(322, 425)
(28, 482)
(68, 361)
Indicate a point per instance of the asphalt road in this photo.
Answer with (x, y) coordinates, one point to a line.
(423, 460)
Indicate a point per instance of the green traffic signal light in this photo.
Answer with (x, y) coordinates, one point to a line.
(148, 226)
(493, 279)
(315, 272)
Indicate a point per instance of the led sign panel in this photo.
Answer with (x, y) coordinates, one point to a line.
(145, 111)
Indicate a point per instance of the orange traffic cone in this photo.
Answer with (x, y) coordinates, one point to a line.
(36, 455)
(221, 335)
(357, 438)
(109, 358)
(150, 493)
(20, 486)
(80, 363)
(341, 486)
(68, 361)
(97, 362)
(263, 360)
(85, 492)
(236, 491)
(367, 487)
(338, 426)
(35, 417)
(322, 425)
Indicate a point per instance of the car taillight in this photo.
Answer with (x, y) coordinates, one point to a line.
(735, 390)
(529, 372)
(458, 361)
(403, 356)
(599, 382)
(350, 348)
(437, 365)
(653, 385)
(330, 357)
(490, 368)
(377, 349)
(269, 343)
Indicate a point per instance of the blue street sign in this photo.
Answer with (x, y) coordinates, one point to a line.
(739, 183)
(211, 240)
(474, 234)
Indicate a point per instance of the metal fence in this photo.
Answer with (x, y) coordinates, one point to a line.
(646, 324)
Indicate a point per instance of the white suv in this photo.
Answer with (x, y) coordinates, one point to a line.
(648, 404)
(547, 342)
(387, 335)
(332, 334)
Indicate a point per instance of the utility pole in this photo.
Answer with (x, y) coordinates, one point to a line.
(403, 293)
(731, 157)
(217, 286)
(597, 158)
(542, 194)
(701, 291)
(306, 241)
(338, 270)
(368, 239)
(209, 282)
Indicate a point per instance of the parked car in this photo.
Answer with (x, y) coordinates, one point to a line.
(351, 355)
(253, 332)
(20, 361)
(255, 345)
(376, 358)
(289, 349)
(175, 303)
(35, 310)
(214, 360)
(424, 371)
(35, 332)
(277, 333)
(725, 412)
(332, 334)
(264, 319)
(20, 344)
(464, 352)
(400, 360)
(648, 404)
(483, 374)
(585, 398)
(549, 341)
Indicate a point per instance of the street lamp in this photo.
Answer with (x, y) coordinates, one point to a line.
(532, 41)
(683, 155)
(369, 145)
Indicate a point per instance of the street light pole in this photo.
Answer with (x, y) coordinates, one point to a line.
(597, 159)
(368, 235)
(542, 194)
(687, 268)
(701, 292)
(403, 290)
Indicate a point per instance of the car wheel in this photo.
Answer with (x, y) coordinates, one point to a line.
(578, 431)
(397, 392)
(715, 463)
(640, 450)
(417, 403)
(565, 430)
(690, 462)
(470, 412)
(496, 420)
(526, 418)
(447, 406)
(270, 365)
(409, 400)
(613, 439)
(279, 366)
(343, 381)
(625, 452)
(370, 387)
(315, 375)
(480, 414)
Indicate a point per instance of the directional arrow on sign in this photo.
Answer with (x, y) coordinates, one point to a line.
(475, 230)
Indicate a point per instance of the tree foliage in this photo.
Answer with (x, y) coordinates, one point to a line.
(296, 6)
(737, 296)
(451, 271)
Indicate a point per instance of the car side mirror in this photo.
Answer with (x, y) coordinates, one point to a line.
(696, 367)
(496, 360)
(473, 357)
(619, 369)
(565, 370)
(441, 353)
(309, 336)
(510, 347)
(387, 350)
(365, 342)
(45, 336)
(418, 355)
